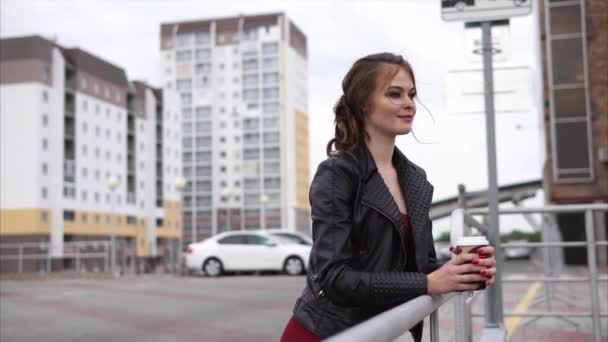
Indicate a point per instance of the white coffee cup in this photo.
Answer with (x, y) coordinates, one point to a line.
(470, 244)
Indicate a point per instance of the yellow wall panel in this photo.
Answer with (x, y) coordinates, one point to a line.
(302, 159)
(31, 221)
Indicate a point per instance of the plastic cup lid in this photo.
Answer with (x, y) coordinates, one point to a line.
(472, 241)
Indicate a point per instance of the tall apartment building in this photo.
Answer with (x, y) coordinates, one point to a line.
(574, 36)
(70, 122)
(242, 84)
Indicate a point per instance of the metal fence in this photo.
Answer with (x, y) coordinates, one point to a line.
(395, 322)
(22, 257)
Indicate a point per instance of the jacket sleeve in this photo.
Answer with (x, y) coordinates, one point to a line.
(332, 196)
(433, 263)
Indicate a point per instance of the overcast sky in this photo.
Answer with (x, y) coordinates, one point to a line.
(452, 149)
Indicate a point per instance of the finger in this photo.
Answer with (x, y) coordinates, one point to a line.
(486, 250)
(488, 271)
(468, 268)
(472, 278)
(464, 258)
(491, 262)
(455, 249)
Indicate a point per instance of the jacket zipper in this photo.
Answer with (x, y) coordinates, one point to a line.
(393, 224)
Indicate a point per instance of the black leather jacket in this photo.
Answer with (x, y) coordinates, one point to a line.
(357, 263)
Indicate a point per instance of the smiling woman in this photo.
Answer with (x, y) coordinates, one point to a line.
(373, 245)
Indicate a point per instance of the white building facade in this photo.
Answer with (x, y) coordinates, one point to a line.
(242, 85)
(70, 123)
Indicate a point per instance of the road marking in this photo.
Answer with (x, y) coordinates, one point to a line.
(512, 322)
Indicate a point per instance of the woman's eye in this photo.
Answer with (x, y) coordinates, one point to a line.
(412, 95)
(394, 94)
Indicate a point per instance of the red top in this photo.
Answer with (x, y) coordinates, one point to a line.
(408, 243)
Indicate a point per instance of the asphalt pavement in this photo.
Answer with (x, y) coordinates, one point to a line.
(237, 308)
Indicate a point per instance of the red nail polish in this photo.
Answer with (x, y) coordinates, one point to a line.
(479, 251)
(451, 248)
(482, 272)
(489, 275)
(482, 257)
(475, 261)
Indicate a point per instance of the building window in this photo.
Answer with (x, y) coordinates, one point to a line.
(84, 218)
(43, 217)
(97, 197)
(68, 215)
(96, 218)
(45, 120)
(84, 127)
(44, 192)
(83, 195)
(45, 144)
(96, 174)
(45, 168)
(97, 109)
(83, 83)
(84, 150)
(45, 96)
(85, 105)
(84, 172)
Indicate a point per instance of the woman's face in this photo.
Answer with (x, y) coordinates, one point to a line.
(392, 108)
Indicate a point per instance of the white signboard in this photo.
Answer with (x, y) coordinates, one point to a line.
(512, 90)
(501, 44)
(483, 10)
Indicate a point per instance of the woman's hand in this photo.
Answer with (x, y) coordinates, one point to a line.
(464, 272)
(488, 260)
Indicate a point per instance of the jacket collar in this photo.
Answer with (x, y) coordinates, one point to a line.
(418, 192)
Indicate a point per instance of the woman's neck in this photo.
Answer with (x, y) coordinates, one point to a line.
(382, 147)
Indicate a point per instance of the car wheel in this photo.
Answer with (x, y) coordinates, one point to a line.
(213, 267)
(293, 266)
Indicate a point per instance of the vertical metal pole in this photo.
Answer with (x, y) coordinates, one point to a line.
(493, 307)
(20, 262)
(112, 237)
(48, 260)
(77, 259)
(106, 257)
(591, 260)
(435, 326)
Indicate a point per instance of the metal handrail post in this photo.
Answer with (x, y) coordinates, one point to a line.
(591, 260)
(434, 322)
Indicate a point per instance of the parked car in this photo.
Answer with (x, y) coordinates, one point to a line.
(518, 252)
(247, 251)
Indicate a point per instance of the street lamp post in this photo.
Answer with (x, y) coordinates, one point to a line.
(180, 185)
(112, 185)
(226, 195)
(263, 201)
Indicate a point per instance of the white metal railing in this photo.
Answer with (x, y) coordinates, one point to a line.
(393, 323)
(463, 220)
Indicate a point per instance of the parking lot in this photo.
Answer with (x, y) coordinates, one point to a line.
(230, 308)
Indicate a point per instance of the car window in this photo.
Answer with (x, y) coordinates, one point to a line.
(294, 238)
(233, 240)
(256, 240)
